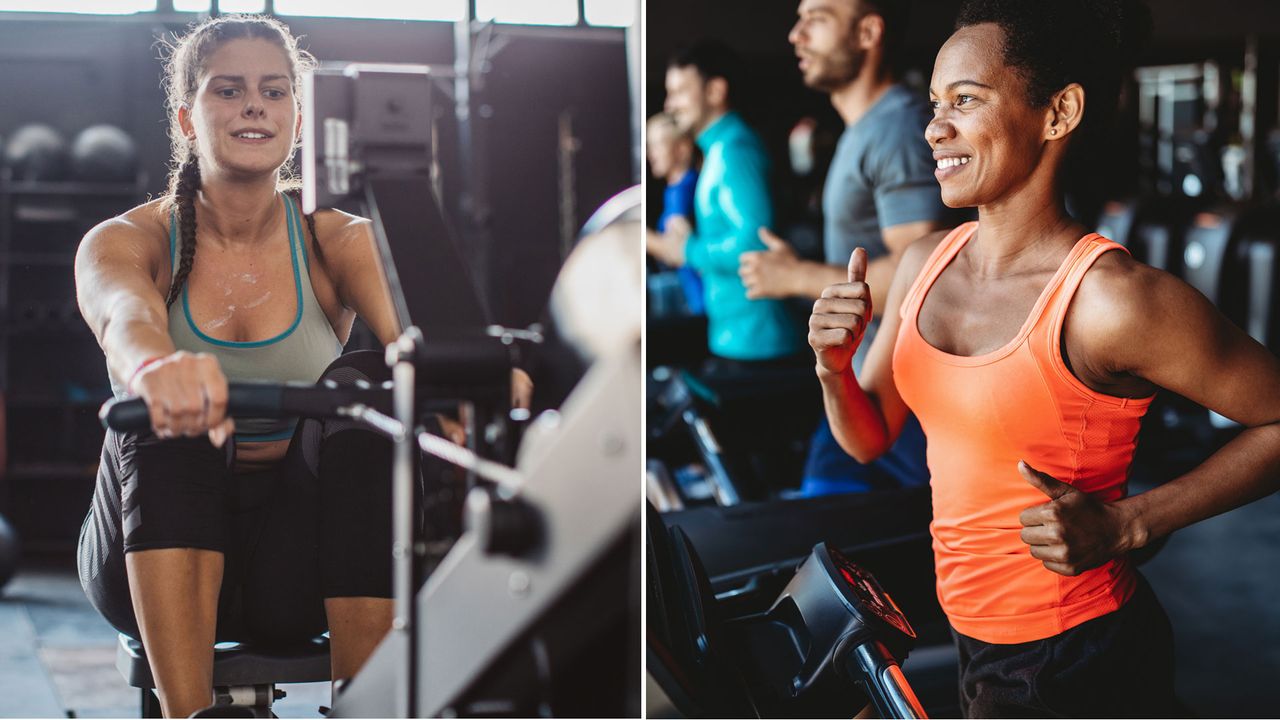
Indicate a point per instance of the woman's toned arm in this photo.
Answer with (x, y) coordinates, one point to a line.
(117, 266)
(1134, 320)
(351, 256)
(866, 413)
(116, 270)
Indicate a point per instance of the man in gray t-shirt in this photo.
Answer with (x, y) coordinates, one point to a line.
(880, 194)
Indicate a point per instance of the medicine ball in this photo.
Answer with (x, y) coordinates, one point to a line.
(104, 153)
(37, 152)
(8, 551)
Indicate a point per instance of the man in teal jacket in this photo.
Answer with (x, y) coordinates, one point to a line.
(731, 205)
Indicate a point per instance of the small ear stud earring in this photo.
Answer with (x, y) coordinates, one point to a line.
(1053, 131)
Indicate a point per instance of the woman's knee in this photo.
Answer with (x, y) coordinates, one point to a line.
(366, 365)
(173, 493)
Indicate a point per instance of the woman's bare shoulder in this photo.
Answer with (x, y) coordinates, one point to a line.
(1124, 300)
(1117, 282)
(335, 229)
(143, 229)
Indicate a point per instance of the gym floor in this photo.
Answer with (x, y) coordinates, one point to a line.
(57, 655)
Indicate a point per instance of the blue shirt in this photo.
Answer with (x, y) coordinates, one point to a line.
(677, 201)
(731, 205)
(677, 198)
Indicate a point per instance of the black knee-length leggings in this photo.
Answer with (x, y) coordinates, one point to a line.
(316, 525)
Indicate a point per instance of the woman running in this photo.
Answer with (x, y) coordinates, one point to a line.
(1030, 348)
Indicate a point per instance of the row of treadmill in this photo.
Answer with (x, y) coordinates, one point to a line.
(1227, 252)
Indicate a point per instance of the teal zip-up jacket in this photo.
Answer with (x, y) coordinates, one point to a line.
(731, 204)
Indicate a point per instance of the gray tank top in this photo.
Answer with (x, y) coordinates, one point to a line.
(300, 353)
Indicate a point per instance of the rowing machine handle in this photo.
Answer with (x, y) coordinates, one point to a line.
(256, 399)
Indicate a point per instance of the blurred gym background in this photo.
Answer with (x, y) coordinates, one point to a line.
(539, 138)
(1192, 186)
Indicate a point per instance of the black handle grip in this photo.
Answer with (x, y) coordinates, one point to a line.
(249, 399)
(129, 415)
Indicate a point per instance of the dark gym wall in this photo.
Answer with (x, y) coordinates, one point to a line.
(523, 126)
(74, 74)
(73, 71)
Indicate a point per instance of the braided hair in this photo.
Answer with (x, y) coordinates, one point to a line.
(184, 68)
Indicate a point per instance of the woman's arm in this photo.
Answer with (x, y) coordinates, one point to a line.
(352, 258)
(1179, 341)
(1148, 324)
(116, 269)
(866, 413)
(116, 290)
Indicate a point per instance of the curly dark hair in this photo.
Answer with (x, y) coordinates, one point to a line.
(1053, 44)
(184, 68)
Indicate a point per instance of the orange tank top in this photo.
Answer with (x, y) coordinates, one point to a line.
(982, 415)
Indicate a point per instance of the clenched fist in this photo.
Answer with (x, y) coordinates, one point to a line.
(186, 394)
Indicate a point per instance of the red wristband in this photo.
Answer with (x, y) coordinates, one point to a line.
(129, 385)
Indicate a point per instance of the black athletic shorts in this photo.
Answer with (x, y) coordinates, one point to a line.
(1117, 665)
(314, 526)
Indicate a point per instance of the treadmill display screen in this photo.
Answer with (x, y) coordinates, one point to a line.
(869, 593)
